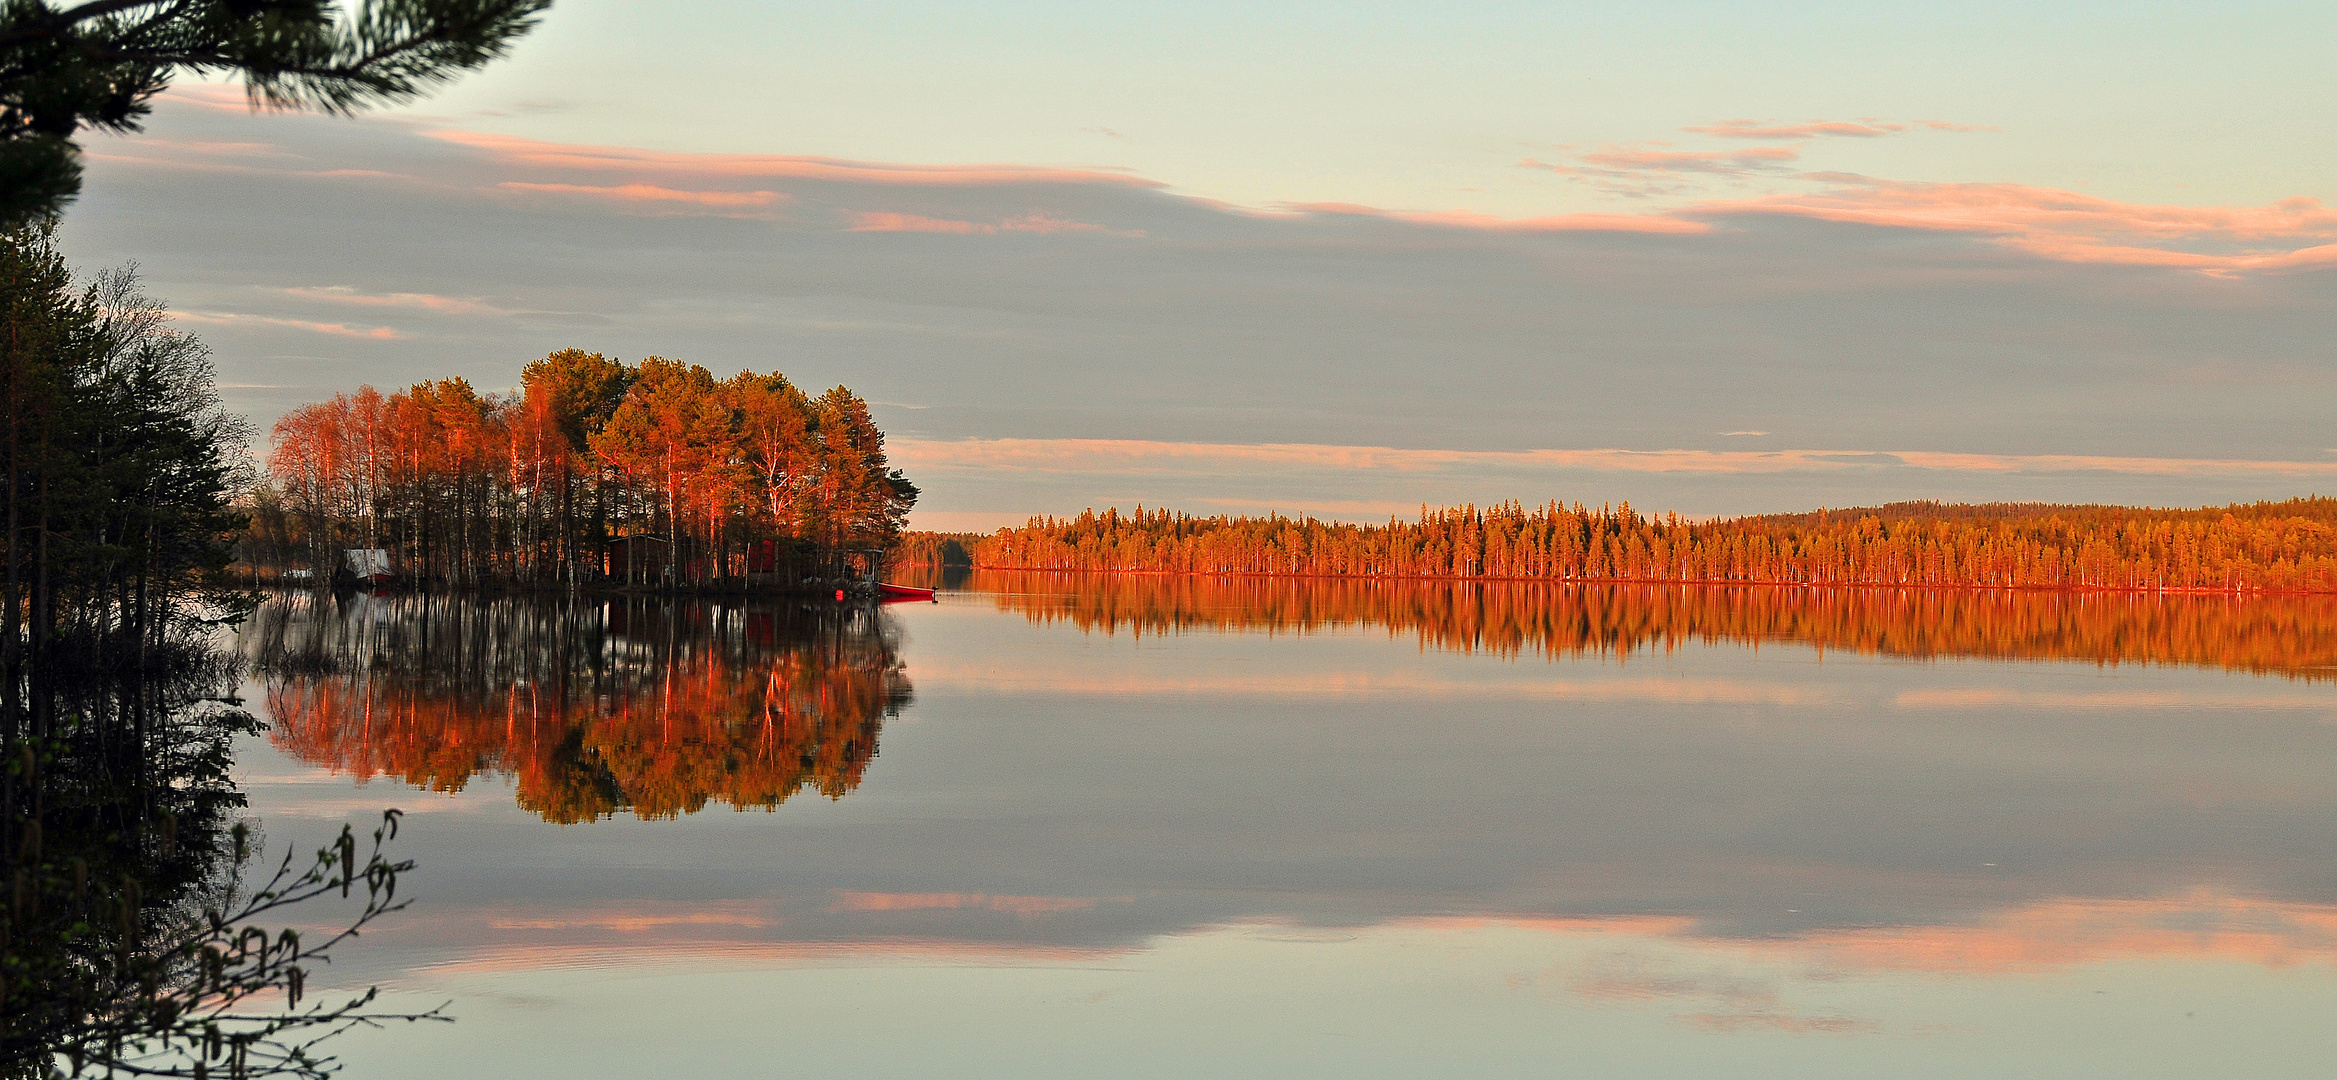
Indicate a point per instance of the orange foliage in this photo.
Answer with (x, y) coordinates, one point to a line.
(532, 487)
(2294, 636)
(2288, 546)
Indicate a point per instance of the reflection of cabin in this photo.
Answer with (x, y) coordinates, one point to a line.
(366, 566)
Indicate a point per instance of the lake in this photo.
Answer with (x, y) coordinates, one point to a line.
(1062, 826)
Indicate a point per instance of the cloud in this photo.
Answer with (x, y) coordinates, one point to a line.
(655, 195)
(1813, 129)
(343, 294)
(2291, 234)
(1845, 315)
(1141, 456)
(237, 319)
(513, 151)
(432, 303)
(1862, 128)
(1461, 219)
(1648, 170)
(1040, 224)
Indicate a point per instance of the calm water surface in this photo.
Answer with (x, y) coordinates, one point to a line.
(1080, 827)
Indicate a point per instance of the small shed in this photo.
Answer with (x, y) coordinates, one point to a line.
(639, 555)
(370, 566)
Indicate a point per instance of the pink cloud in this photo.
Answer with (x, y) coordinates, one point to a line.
(1865, 127)
(652, 193)
(1755, 129)
(224, 318)
(1463, 219)
(1136, 457)
(1647, 169)
(2070, 227)
(342, 294)
(532, 152)
(884, 221)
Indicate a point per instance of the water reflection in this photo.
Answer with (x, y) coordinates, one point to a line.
(2294, 636)
(1105, 828)
(632, 705)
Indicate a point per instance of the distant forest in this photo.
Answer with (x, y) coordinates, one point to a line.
(650, 473)
(2276, 546)
(2295, 637)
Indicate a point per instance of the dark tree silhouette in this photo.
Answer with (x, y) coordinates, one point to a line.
(98, 65)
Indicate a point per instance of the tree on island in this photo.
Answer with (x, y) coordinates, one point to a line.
(100, 64)
(714, 479)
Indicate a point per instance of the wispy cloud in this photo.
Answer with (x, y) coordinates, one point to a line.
(1645, 170)
(343, 294)
(230, 318)
(1461, 219)
(1040, 224)
(2289, 234)
(652, 194)
(515, 151)
(1862, 128)
(1133, 456)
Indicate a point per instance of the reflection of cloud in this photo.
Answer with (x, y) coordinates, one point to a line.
(503, 958)
(627, 922)
(2062, 933)
(1026, 906)
(2042, 936)
(2007, 697)
(1724, 1023)
(1030, 679)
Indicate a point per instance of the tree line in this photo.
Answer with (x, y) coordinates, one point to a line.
(120, 467)
(126, 940)
(2274, 546)
(648, 473)
(2293, 636)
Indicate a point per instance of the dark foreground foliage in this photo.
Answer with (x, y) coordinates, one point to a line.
(99, 64)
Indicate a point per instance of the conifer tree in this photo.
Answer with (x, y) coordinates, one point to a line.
(99, 64)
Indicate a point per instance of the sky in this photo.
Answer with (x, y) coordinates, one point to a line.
(1343, 260)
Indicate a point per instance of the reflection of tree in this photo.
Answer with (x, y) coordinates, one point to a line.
(654, 707)
(2289, 635)
(128, 941)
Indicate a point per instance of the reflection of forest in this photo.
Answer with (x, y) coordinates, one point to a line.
(2289, 635)
(644, 705)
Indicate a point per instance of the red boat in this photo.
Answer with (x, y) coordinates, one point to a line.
(890, 592)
